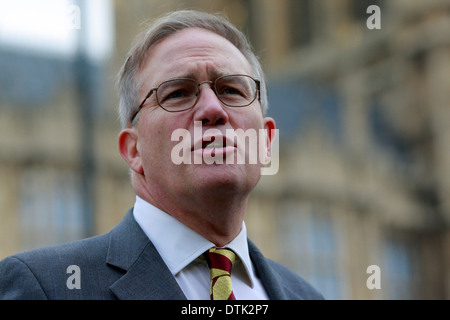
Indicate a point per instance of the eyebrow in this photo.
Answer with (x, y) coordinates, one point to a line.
(213, 74)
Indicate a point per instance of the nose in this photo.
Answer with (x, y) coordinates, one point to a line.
(208, 108)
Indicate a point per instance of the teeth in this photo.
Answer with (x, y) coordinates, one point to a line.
(212, 145)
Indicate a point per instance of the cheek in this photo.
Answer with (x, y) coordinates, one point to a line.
(246, 118)
(156, 141)
(249, 123)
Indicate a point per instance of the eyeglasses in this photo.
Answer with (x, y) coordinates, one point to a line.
(182, 94)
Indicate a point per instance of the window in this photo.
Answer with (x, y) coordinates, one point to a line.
(50, 207)
(400, 271)
(311, 246)
(299, 104)
(300, 22)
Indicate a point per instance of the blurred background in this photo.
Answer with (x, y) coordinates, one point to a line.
(363, 116)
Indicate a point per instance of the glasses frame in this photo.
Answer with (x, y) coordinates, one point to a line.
(213, 85)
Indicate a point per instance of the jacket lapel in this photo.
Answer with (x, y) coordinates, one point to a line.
(146, 275)
(270, 279)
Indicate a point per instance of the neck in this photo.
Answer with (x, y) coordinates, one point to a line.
(216, 217)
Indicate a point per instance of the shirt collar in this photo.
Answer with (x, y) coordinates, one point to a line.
(179, 245)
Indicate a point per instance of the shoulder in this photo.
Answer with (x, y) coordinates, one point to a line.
(76, 252)
(42, 273)
(280, 282)
(294, 284)
(96, 263)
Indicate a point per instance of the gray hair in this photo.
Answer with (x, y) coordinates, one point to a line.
(161, 29)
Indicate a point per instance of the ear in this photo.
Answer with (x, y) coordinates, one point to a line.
(269, 126)
(128, 148)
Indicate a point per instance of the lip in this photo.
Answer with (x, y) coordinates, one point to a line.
(214, 153)
(228, 143)
(202, 153)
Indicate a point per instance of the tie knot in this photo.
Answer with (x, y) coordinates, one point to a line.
(220, 259)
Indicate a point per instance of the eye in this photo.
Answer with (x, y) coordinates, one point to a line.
(176, 90)
(230, 91)
(175, 95)
(234, 87)
(171, 96)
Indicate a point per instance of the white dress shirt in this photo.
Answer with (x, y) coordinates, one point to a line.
(180, 247)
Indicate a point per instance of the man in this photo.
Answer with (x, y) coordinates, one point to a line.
(185, 237)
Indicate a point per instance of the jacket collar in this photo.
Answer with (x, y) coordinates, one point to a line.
(146, 275)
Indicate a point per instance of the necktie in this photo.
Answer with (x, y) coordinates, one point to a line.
(220, 262)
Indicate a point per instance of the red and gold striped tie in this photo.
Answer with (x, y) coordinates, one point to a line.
(220, 262)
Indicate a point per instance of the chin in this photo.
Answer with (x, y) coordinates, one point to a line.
(226, 178)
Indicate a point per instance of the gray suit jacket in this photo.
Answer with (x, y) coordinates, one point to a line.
(122, 264)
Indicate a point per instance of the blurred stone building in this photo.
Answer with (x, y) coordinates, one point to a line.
(363, 116)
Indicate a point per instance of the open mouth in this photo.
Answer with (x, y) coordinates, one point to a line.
(214, 146)
(214, 143)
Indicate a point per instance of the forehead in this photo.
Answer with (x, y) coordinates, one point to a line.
(195, 53)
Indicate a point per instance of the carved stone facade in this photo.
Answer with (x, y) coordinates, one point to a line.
(363, 117)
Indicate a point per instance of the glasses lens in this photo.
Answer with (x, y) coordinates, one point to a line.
(177, 95)
(236, 90)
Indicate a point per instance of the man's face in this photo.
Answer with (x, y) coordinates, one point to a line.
(203, 56)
